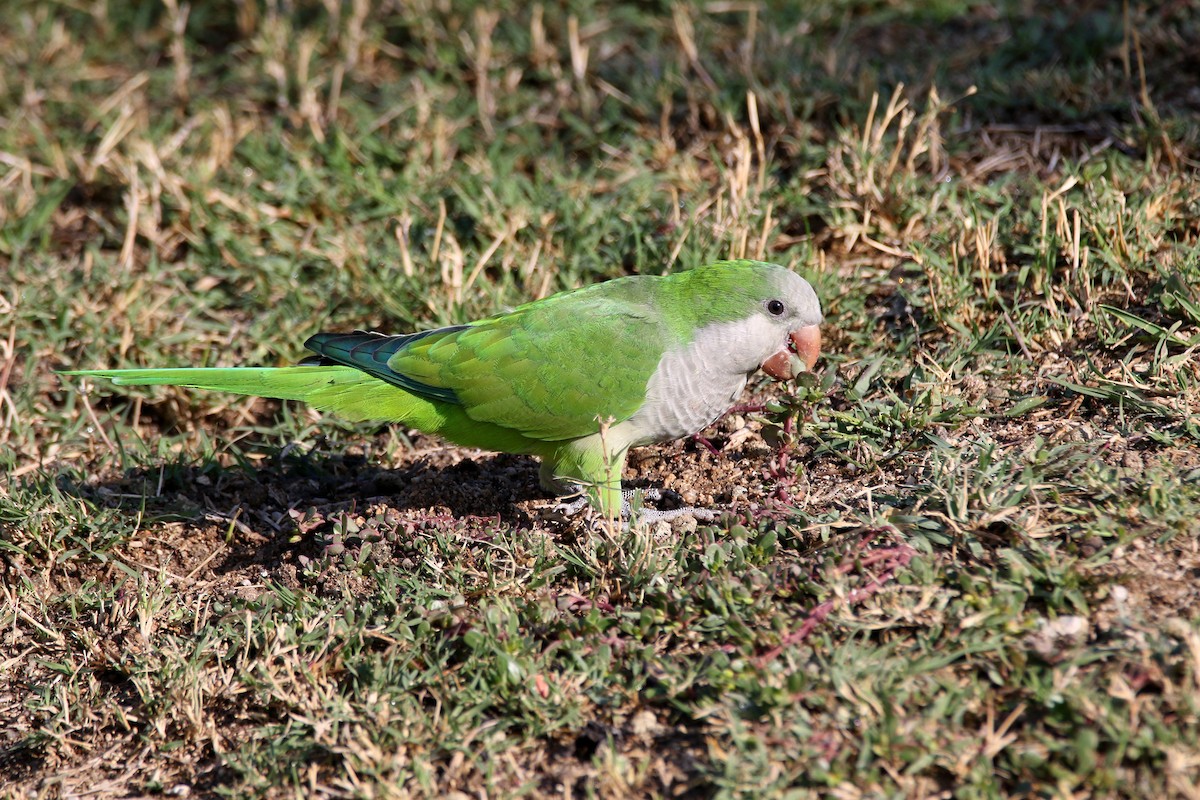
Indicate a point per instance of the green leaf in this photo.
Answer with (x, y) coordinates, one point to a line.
(1158, 331)
(1025, 405)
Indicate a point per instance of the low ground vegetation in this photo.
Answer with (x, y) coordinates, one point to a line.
(961, 560)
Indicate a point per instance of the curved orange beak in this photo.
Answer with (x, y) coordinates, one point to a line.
(804, 346)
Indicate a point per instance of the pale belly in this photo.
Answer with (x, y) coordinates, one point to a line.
(694, 385)
(681, 407)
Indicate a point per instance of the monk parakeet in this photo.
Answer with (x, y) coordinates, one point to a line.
(576, 378)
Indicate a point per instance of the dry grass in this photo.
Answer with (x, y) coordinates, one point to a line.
(960, 562)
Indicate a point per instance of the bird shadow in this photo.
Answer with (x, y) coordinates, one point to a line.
(290, 504)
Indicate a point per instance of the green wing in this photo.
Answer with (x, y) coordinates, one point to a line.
(549, 369)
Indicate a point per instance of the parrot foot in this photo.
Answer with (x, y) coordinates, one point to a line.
(572, 506)
(568, 507)
(652, 515)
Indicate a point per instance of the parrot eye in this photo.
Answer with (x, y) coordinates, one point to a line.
(775, 308)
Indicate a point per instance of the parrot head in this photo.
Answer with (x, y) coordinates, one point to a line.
(793, 314)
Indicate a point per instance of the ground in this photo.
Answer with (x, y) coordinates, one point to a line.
(960, 560)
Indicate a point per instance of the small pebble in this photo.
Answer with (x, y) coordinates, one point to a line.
(644, 723)
(1054, 637)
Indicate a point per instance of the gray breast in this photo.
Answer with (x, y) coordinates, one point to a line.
(694, 385)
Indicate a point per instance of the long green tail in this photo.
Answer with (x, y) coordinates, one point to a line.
(349, 392)
(354, 394)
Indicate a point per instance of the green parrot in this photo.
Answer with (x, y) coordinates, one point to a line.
(576, 378)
